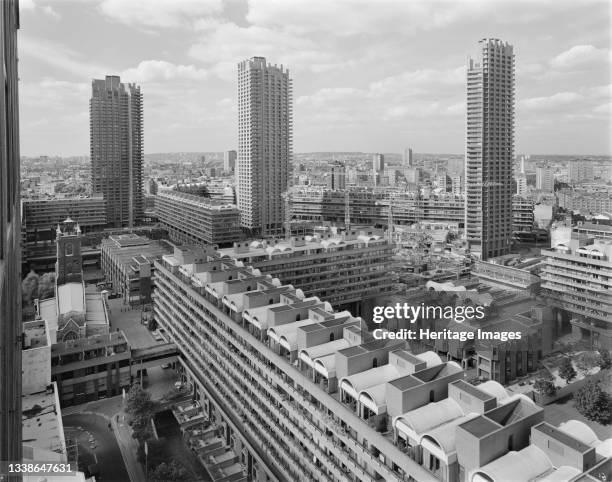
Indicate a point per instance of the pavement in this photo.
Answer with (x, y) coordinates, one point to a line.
(128, 320)
(128, 446)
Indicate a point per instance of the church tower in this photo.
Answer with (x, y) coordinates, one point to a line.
(69, 267)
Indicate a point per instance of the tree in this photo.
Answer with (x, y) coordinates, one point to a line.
(139, 403)
(605, 360)
(29, 288)
(586, 361)
(544, 384)
(593, 402)
(566, 370)
(168, 472)
(46, 286)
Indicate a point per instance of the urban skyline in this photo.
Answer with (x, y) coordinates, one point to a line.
(253, 314)
(408, 83)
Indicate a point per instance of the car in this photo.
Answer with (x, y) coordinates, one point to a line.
(157, 336)
(166, 365)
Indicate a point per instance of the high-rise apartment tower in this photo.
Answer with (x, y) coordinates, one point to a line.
(265, 144)
(115, 117)
(10, 236)
(489, 154)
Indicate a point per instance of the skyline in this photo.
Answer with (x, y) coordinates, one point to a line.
(406, 89)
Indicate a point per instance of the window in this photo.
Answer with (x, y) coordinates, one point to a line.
(68, 249)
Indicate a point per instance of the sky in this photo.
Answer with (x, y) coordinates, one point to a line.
(368, 75)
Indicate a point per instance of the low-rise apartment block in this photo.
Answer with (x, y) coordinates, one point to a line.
(192, 219)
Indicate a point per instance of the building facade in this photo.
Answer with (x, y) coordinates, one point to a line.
(344, 268)
(229, 161)
(577, 279)
(10, 238)
(338, 176)
(116, 149)
(545, 178)
(522, 214)
(580, 170)
(127, 263)
(297, 391)
(193, 219)
(489, 149)
(265, 144)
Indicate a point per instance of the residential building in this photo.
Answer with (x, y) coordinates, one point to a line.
(521, 185)
(127, 263)
(10, 237)
(489, 149)
(40, 217)
(371, 206)
(338, 176)
(343, 268)
(116, 149)
(296, 391)
(576, 279)
(378, 163)
(265, 144)
(408, 160)
(545, 178)
(457, 185)
(522, 214)
(580, 170)
(585, 201)
(229, 161)
(194, 219)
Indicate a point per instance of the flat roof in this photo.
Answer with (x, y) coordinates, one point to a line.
(562, 437)
(480, 426)
(472, 390)
(42, 427)
(405, 383)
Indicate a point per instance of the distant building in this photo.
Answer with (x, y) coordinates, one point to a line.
(10, 239)
(585, 201)
(265, 149)
(194, 219)
(116, 150)
(489, 149)
(545, 178)
(457, 185)
(408, 160)
(338, 176)
(580, 170)
(127, 262)
(522, 214)
(521, 185)
(229, 161)
(575, 279)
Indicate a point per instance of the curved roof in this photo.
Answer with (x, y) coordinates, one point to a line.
(374, 398)
(445, 435)
(493, 388)
(431, 358)
(286, 334)
(326, 365)
(429, 416)
(581, 431)
(353, 384)
(563, 473)
(605, 448)
(526, 464)
(309, 355)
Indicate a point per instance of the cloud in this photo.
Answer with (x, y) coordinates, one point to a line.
(580, 56)
(159, 13)
(31, 6)
(160, 70)
(560, 99)
(59, 56)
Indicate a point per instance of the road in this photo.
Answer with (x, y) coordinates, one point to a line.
(110, 461)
